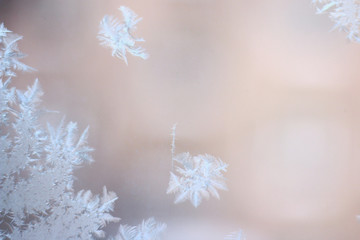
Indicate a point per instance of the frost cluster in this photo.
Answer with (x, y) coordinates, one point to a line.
(37, 200)
(117, 35)
(197, 176)
(345, 14)
(10, 54)
(148, 230)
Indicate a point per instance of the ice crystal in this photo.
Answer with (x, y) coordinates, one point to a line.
(117, 35)
(235, 236)
(148, 230)
(37, 200)
(10, 54)
(197, 177)
(7, 96)
(345, 14)
(3, 32)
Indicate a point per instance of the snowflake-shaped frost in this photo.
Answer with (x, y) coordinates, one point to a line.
(198, 177)
(345, 14)
(118, 37)
(148, 230)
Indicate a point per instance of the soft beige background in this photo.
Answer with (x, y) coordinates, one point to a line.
(262, 84)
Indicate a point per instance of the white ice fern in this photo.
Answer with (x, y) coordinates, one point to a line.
(37, 200)
(197, 177)
(345, 14)
(148, 230)
(117, 35)
(10, 54)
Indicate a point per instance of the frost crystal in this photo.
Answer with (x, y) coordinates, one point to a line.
(235, 236)
(7, 96)
(118, 37)
(198, 176)
(148, 230)
(37, 200)
(3, 32)
(345, 14)
(10, 54)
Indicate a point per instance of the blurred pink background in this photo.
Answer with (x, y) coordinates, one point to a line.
(264, 85)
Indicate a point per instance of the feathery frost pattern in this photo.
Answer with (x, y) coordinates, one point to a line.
(117, 35)
(10, 54)
(345, 14)
(37, 200)
(197, 177)
(148, 230)
(7, 96)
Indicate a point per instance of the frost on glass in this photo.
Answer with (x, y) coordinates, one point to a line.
(37, 200)
(235, 236)
(148, 230)
(10, 54)
(345, 14)
(196, 177)
(118, 35)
